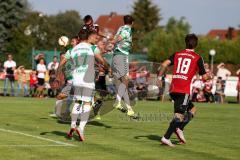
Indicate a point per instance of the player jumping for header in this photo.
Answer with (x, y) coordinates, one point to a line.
(120, 65)
(186, 64)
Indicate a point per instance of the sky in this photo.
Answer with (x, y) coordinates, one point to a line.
(203, 15)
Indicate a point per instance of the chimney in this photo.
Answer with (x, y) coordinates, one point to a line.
(230, 33)
(112, 14)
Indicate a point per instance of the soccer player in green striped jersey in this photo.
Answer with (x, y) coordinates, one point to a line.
(120, 64)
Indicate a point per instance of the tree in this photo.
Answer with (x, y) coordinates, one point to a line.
(41, 32)
(68, 22)
(12, 12)
(162, 42)
(146, 18)
(181, 25)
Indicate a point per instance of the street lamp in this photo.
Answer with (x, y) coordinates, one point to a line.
(212, 53)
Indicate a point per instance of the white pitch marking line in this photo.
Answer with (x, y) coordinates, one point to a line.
(33, 145)
(37, 137)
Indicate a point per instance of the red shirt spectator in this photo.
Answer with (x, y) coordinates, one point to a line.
(33, 78)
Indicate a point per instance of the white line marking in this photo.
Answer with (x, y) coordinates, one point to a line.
(37, 137)
(33, 145)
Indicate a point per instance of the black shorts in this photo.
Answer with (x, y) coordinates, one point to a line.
(100, 84)
(41, 81)
(181, 102)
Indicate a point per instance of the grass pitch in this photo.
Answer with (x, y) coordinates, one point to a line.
(27, 132)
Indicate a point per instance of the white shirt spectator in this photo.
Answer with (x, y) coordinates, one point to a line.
(198, 84)
(53, 65)
(9, 64)
(224, 73)
(41, 68)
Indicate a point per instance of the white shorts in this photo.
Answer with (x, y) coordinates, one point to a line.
(83, 94)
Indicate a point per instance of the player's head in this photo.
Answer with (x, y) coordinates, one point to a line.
(62, 55)
(22, 68)
(74, 41)
(191, 41)
(88, 20)
(9, 55)
(55, 59)
(83, 35)
(34, 72)
(127, 19)
(93, 37)
(41, 61)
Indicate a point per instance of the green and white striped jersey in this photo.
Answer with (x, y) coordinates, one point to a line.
(125, 45)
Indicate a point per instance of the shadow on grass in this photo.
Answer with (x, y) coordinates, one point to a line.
(99, 124)
(58, 133)
(156, 138)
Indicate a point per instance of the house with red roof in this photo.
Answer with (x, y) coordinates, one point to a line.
(223, 34)
(109, 24)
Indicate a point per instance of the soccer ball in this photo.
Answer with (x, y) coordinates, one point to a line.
(63, 41)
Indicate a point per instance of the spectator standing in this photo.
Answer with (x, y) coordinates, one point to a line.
(9, 68)
(22, 81)
(223, 73)
(219, 94)
(41, 70)
(238, 86)
(52, 68)
(38, 57)
(54, 64)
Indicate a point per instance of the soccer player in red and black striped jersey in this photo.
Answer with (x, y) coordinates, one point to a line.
(186, 64)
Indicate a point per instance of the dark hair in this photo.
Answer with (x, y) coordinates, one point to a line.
(191, 41)
(9, 54)
(74, 37)
(87, 18)
(83, 34)
(128, 19)
(55, 57)
(62, 53)
(91, 33)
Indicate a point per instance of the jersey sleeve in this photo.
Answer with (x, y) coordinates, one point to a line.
(201, 68)
(125, 34)
(14, 64)
(95, 49)
(5, 64)
(68, 54)
(171, 58)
